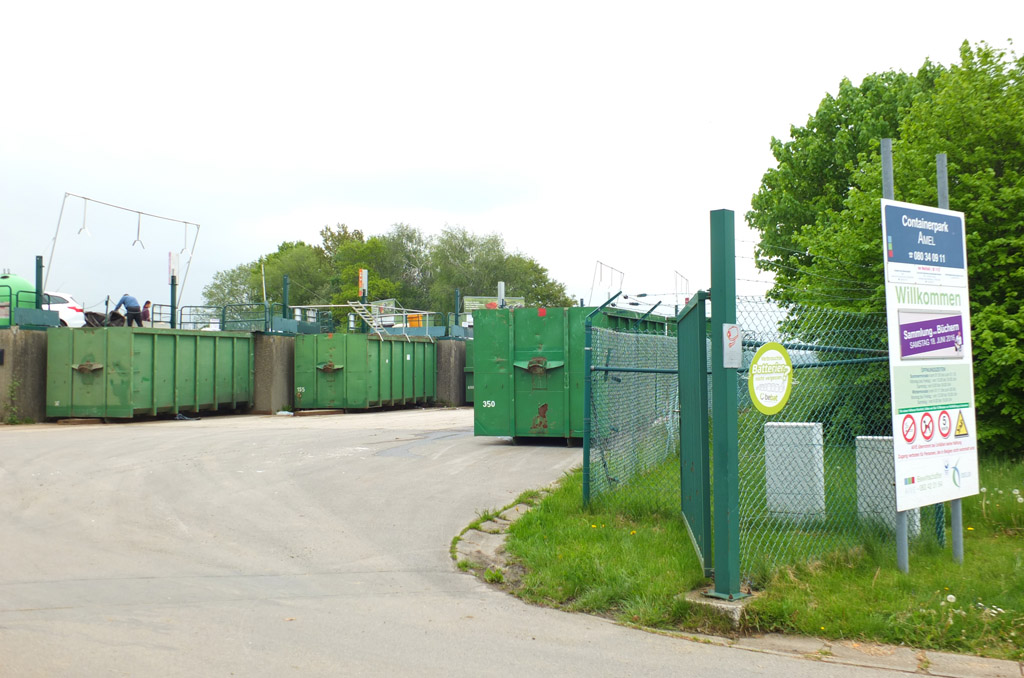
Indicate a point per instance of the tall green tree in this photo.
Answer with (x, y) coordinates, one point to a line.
(475, 264)
(973, 112)
(816, 166)
(232, 286)
(307, 268)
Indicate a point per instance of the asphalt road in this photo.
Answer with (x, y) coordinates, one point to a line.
(278, 546)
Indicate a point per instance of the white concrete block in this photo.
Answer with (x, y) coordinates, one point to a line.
(794, 466)
(876, 484)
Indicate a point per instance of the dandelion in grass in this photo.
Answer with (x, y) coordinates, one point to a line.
(951, 598)
(970, 529)
(1020, 500)
(1016, 492)
(632, 532)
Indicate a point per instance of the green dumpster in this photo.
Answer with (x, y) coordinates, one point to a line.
(528, 368)
(119, 372)
(361, 371)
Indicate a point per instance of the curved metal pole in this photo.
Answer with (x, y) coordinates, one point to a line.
(54, 245)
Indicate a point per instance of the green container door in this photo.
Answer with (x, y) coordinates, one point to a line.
(118, 372)
(521, 363)
(320, 364)
(540, 338)
(360, 371)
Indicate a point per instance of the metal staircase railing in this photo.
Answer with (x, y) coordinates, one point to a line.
(366, 315)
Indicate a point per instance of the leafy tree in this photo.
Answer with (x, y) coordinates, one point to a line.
(475, 264)
(350, 251)
(233, 286)
(815, 168)
(307, 268)
(973, 112)
(421, 272)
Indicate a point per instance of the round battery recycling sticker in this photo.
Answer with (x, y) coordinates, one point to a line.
(770, 378)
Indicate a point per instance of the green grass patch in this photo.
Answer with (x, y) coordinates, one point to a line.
(635, 564)
(977, 608)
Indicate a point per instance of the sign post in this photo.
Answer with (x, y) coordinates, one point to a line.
(930, 366)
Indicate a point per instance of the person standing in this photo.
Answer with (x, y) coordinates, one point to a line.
(132, 310)
(145, 311)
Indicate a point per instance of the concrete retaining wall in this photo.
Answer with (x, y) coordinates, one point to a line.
(275, 373)
(23, 374)
(451, 378)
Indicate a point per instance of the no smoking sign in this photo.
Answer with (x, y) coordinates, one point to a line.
(909, 428)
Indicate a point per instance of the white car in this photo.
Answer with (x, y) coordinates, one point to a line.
(70, 311)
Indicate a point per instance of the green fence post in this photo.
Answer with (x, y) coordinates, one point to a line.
(39, 285)
(284, 297)
(725, 445)
(174, 302)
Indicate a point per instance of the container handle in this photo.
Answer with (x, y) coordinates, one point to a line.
(329, 367)
(87, 367)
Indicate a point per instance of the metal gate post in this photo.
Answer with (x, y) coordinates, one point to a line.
(725, 445)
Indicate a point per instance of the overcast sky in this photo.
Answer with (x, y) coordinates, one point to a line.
(580, 132)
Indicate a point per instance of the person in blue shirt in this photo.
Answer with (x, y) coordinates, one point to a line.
(132, 310)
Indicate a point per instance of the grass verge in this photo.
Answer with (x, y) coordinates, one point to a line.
(636, 567)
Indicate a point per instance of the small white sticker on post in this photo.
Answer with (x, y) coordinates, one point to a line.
(732, 346)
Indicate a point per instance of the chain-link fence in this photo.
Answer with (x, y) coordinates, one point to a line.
(634, 413)
(816, 475)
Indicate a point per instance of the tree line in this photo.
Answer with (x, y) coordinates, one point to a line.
(817, 211)
(422, 272)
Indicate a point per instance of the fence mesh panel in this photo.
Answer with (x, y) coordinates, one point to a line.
(634, 434)
(817, 476)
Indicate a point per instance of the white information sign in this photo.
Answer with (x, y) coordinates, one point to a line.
(930, 365)
(732, 346)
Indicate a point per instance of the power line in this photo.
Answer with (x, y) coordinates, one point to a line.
(814, 256)
(860, 285)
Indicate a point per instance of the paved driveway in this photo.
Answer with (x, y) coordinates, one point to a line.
(278, 546)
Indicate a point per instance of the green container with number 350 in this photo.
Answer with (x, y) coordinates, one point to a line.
(528, 368)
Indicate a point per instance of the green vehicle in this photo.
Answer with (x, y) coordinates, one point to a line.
(528, 368)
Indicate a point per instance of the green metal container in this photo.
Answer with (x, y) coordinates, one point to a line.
(468, 369)
(528, 368)
(15, 292)
(360, 371)
(119, 372)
